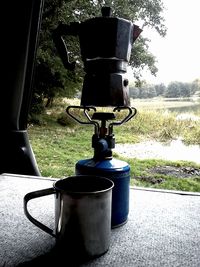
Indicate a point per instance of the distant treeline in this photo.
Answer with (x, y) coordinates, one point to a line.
(173, 89)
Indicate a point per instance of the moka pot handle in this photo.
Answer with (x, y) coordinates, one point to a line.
(63, 29)
(36, 194)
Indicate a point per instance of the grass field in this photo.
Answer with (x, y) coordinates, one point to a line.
(58, 147)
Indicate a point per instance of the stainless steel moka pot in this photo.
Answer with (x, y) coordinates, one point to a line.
(105, 45)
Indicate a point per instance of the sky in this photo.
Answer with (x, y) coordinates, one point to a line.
(178, 53)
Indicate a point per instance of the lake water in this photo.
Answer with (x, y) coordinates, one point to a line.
(174, 150)
(186, 109)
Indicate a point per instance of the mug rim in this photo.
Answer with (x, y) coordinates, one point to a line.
(70, 191)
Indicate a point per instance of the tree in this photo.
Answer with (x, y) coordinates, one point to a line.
(195, 86)
(181, 89)
(134, 91)
(173, 90)
(65, 82)
(147, 90)
(185, 89)
(160, 89)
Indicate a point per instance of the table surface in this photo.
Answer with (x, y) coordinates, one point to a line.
(163, 229)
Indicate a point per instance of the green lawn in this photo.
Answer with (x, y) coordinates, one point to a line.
(57, 148)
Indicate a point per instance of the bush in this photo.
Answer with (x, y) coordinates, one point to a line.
(65, 120)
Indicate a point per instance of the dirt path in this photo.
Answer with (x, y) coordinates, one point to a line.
(154, 150)
(175, 150)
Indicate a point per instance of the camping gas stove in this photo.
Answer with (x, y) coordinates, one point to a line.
(102, 163)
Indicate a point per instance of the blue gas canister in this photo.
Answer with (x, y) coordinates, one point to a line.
(119, 172)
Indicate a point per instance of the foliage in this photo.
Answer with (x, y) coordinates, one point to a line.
(174, 89)
(51, 79)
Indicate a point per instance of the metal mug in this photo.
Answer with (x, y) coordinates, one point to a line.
(82, 214)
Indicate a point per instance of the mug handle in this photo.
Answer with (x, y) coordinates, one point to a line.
(36, 194)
